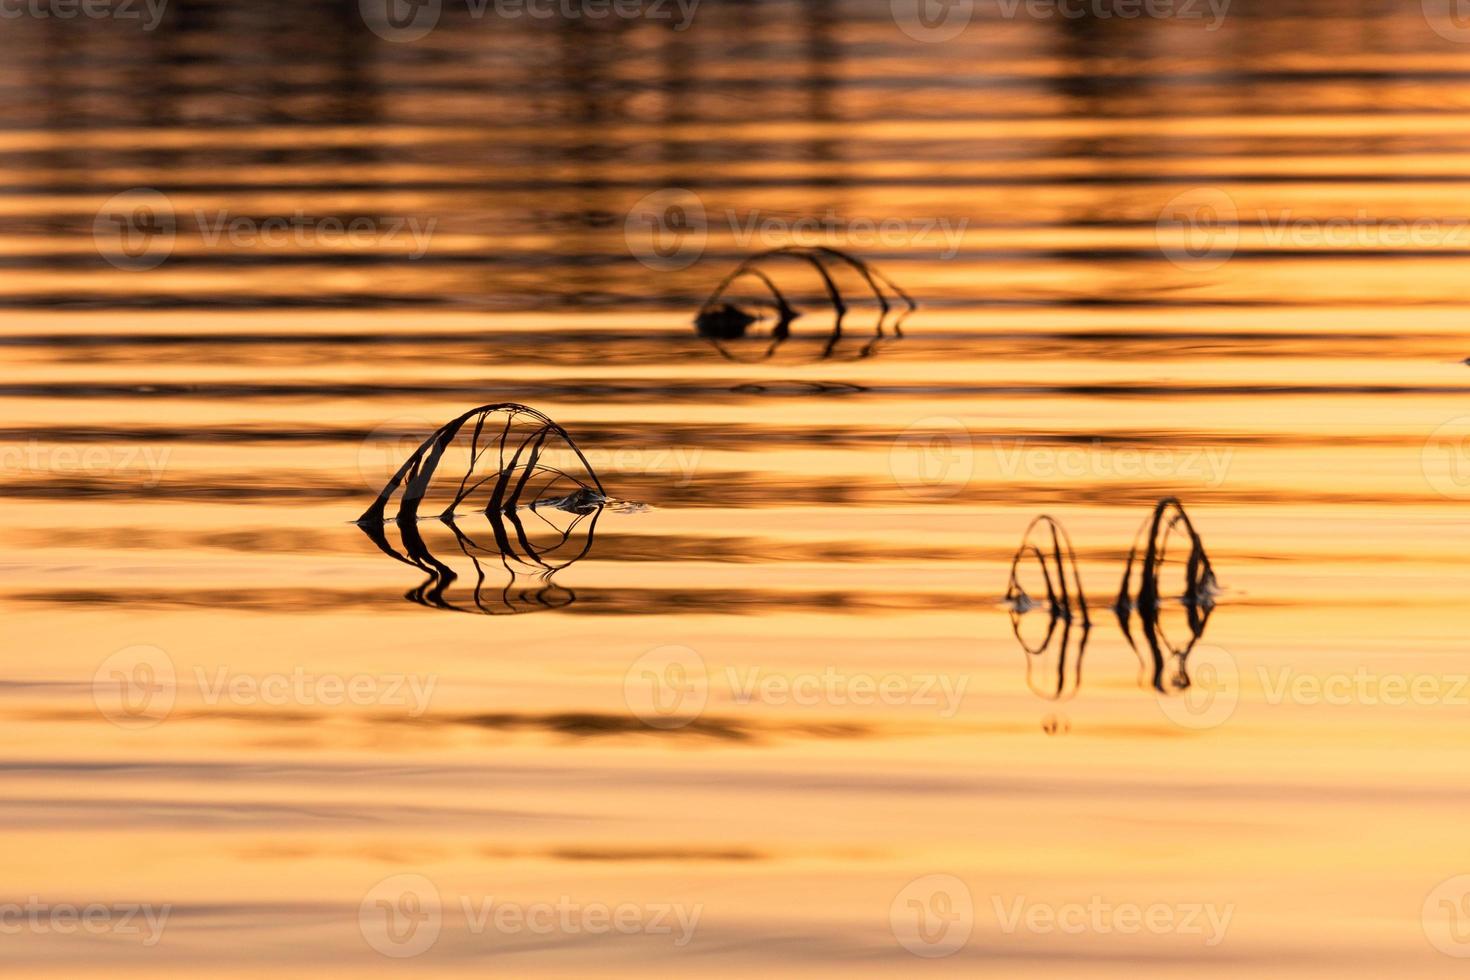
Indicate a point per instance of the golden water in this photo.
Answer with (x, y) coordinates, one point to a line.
(186, 446)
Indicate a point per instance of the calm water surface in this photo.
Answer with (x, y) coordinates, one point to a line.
(185, 448)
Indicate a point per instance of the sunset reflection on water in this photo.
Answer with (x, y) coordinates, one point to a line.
(775, 715)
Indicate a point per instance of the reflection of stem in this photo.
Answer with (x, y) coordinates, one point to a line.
(1066, 604)
(1064, 691)
(1198, 597)
(506, 527)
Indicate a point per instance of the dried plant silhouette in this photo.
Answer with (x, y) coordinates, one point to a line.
(1167, 670)
(525, 476)
(723, 321)
(1053, 663)
(1054, 659)
(504, 455)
